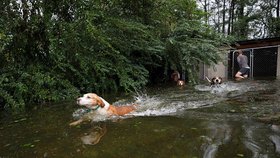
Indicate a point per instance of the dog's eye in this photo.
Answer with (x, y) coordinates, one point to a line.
(88, 97)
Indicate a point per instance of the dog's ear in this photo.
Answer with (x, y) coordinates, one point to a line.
(221, 80)
(100, 102)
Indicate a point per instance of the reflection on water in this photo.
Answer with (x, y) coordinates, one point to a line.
(275, 137)
(94, 135)
(218, 134)
(252, 143)
(186, 122)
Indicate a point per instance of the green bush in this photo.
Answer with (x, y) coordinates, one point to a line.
(55, 50)
(19, 88)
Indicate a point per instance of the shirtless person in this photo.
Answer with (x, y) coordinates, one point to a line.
(243, 65)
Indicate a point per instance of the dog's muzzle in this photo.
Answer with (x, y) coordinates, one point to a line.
(78, 101)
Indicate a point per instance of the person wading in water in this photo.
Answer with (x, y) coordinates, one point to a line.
(243, 65)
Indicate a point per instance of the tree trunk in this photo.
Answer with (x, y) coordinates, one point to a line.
(224, 17)
(243, 24)
(278, 10)
(205, 10)
(218, 16)
(231, 19)
(24, 10)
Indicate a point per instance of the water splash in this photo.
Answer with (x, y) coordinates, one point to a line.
(222, 89)
(77, 114)
(84, 112)
(171, 101)
(232, 89)
(171, 105)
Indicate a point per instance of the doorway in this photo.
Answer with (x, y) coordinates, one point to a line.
(262, 61)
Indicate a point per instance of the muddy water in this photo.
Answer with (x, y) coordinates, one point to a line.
(170, 122)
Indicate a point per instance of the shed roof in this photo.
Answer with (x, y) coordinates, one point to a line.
(254, 43)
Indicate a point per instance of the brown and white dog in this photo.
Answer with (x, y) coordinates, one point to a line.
(175, 76)
(101, 107)
(215, 81)
(181, 83)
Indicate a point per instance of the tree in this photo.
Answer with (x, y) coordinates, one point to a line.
(247, 18)
(54, 50)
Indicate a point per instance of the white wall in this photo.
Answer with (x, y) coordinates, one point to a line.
(278, 63)
(220, 69)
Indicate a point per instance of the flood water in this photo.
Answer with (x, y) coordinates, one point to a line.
(199, 122)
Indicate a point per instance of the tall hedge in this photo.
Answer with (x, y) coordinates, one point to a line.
(55, 50)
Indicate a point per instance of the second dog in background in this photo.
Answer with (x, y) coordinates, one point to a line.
(215, 81)
(175, 76)
(181, 83)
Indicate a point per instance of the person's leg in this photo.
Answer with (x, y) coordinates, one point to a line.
(239, 75)
(246, 73)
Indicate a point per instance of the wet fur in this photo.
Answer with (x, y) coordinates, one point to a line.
(99, 106)
(215, 81)
(181, 83)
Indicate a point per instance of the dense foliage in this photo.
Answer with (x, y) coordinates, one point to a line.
(54, 50)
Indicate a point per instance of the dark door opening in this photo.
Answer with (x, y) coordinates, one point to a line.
(233, 66)
(263, 62)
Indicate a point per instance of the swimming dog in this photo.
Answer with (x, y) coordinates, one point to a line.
(99, 106)
(181, 83)
(215, 81)
(175, 76)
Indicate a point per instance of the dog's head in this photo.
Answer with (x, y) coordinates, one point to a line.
(216, 80)
(180, 82)
(91, 101)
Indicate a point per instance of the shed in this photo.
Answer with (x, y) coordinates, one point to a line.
(263, 55)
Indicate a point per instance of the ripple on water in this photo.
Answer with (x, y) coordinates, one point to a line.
(276, 141)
